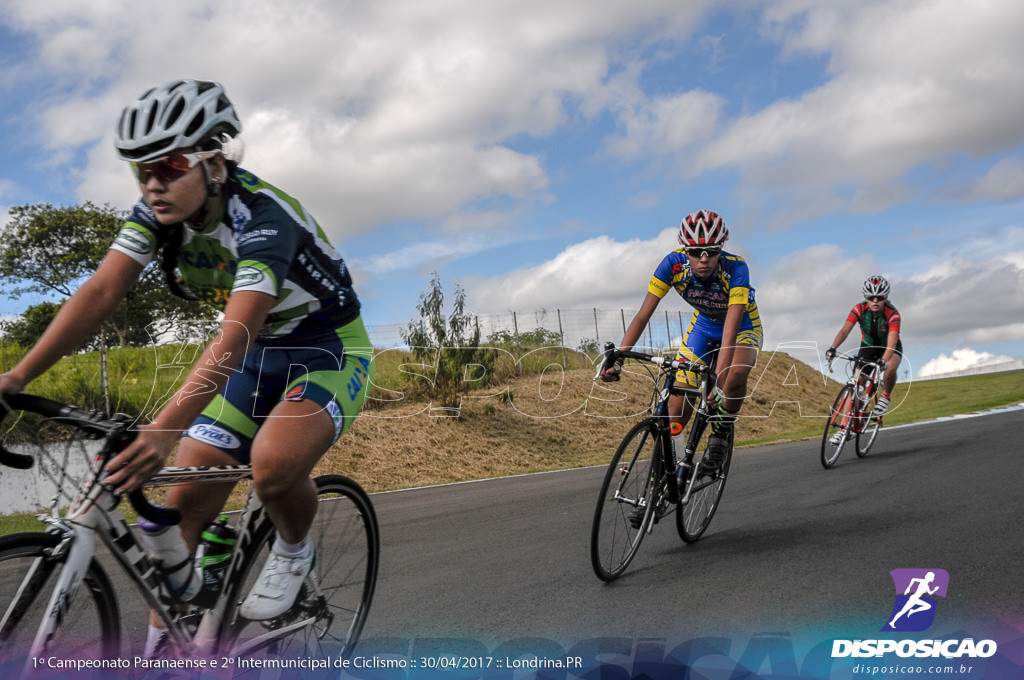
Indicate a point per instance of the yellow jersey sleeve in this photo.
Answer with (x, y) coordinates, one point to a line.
(739, 296)
(658, 287)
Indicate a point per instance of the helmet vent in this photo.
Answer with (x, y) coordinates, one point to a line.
(196, 123)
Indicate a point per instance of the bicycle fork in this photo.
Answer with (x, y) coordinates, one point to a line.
(687, 471)
(80, 546)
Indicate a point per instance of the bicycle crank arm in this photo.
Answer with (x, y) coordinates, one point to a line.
(269, 637)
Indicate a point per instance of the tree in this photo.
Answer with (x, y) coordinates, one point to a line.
(25, 330)
(451, 344)
(50, 251)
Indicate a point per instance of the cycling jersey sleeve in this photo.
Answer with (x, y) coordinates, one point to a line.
(856, 313)
(139, 236)
(893, 317)
(266, 248)
(666, 274)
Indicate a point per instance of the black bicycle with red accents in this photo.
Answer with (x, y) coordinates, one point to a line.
(646, 479)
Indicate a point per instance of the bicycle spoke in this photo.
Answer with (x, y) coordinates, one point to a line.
(332, 606)
(625, 505)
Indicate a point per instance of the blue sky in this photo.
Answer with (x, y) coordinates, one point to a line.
(540, 154)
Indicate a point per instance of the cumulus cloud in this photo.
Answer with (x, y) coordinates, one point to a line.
(803, 298)
(961, 359)
(907, 87)
(366, 125)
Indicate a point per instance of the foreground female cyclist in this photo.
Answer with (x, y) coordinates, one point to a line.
(231, 239)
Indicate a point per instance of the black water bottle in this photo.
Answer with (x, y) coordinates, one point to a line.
(213, 556)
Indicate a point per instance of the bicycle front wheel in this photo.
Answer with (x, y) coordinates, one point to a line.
(88, 626)
(694, 516)
(837, 429)
(331, 609)
(866, 437)
(625, 506)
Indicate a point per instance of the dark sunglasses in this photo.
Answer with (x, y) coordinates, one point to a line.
(709, 251)
(170, 167)
(876, 298)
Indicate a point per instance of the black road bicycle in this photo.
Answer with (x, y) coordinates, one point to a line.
(57, 599)
(645, 481)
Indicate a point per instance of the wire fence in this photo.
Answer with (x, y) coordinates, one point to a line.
(585, 330)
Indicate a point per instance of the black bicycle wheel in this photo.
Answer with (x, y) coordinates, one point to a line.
(831, 443)
(867, 435)
(88, 628)
(693, 517)
(327, 624)
(625, 506)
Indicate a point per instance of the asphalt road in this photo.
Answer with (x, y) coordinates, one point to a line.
(793, 547)
(490, 567)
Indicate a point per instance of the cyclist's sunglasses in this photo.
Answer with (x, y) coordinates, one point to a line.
(876, 298)
(701, 251)
(170, 167)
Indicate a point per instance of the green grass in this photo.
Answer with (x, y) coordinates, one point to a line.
(921, 400)
(140, 376)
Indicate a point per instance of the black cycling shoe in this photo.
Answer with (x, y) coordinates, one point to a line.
(636, 517)
(718, 446)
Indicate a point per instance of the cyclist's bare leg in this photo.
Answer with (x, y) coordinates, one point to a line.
(680, 408)
(284, 452)
(735, 387)
(199, 504)
(890, 373)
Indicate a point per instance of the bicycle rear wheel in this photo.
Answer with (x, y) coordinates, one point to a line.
(694, 517)
(88, 628)
(324, 624)
(831, 444)
(625, 506)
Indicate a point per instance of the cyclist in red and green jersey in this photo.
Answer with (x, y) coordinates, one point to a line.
(879, 323)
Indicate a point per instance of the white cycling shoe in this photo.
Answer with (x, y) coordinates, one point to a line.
(881, 408)
(839, 437)
(277, 586)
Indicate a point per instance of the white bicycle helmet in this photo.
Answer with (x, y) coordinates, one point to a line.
(176, 115)
(876, 285)
(703, 228)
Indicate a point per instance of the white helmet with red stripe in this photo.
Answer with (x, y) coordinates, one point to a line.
(703, 228)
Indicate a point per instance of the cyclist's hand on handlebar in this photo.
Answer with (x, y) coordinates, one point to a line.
(140, 460)
(830, 354)
(611, 374)
(10, 384)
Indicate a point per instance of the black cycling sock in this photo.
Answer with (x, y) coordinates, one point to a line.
(721, 422)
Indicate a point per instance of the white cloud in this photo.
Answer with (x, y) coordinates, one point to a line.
(910, 85)
(1003, 182)
(961, 359)
(364, 124)
(598, 272)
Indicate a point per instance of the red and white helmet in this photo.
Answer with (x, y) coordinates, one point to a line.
(876, 286)
(703, 228)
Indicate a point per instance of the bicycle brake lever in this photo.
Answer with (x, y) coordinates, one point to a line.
(18, 461)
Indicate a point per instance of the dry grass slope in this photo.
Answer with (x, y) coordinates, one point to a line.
(552, 421)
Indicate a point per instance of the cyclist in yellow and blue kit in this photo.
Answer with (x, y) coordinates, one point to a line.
(286, 373)
(717, 285)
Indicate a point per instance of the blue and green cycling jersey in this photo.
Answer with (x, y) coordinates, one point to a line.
(264, 241)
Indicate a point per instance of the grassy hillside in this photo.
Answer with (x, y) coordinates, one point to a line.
(555, 419)
(546, 419)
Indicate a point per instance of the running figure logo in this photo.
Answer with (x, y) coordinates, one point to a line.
(916, 590)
